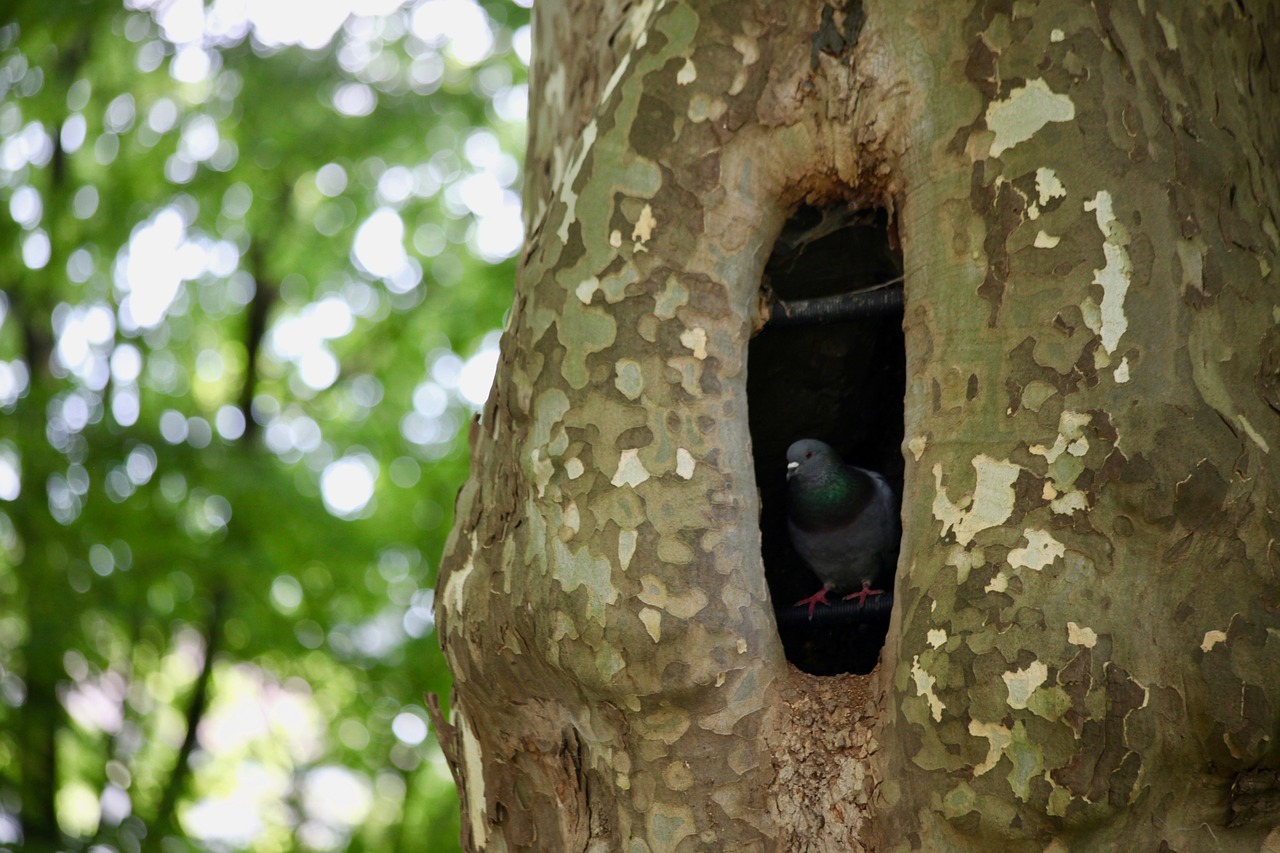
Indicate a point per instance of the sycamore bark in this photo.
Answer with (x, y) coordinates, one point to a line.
(1085, 651)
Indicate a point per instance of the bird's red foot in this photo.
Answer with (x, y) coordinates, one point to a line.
(863, 594)
(819, 597)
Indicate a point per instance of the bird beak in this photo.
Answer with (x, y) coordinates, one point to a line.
(791, 468)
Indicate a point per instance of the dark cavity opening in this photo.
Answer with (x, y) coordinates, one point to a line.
(830, 364)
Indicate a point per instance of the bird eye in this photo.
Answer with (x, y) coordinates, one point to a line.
(809, 455)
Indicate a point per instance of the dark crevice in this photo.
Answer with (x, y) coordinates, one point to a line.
(830, 364)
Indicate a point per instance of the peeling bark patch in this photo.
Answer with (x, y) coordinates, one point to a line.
(453, 589)
(1027, 109)
(1253, 434)
(684, 463)
(1070, 438)
(1211, 639)
(1041, 550)
(936, 637)
(626, 548)
(587, 289)
(924, 687)
(998, 739)
(1107, 319)
(652, 620)
(749, 49)
(991, 503)
(474, 789)
(1045, 241)
(1065, 458)
(1081, 636)
(1048, 186)
(917, 446)
(631, 471)
(706, 108)
(643, 232)
(567, 194)
(964, 560)
(696, 340)
(1169, 31)
(687, 73)
(1021, 683)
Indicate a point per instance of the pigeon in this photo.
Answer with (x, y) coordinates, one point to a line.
(843, 522)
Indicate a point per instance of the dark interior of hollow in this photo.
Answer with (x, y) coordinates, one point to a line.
(841, 382)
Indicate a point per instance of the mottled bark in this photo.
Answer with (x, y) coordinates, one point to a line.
(1083, 654)
(1086, 647)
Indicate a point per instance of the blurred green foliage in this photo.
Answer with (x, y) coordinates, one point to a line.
(254, 254)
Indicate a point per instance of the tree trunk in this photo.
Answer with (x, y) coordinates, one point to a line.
(1084, 652)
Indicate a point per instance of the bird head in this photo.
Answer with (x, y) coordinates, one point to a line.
(805, 452)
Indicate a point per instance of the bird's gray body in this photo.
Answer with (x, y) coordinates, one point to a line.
(843, 520)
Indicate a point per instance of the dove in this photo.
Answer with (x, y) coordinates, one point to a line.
(843, 522)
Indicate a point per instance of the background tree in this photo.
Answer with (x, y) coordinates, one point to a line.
(253, 253)
(1081, 654)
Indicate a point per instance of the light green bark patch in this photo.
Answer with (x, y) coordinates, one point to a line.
(535, 546)
(609, 662)
(671, 297)
(1049, 702)
(669, 824)
(1028, 762)
(579, 568)
(959, 801)
(1027, 109)
(548, 409)
(582, 331)
(615, 286)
